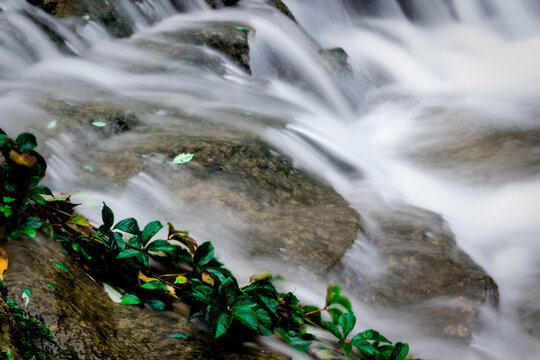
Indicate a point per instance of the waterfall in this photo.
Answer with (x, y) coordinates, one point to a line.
(437, 108)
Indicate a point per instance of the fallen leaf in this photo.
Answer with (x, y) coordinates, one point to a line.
(178, 336)
(89, 168)
(62, 267)
(3, 263)
(27, 293)
(51, 285)
(52, 124)
(182, 158)
(114, 294)
(99, 124)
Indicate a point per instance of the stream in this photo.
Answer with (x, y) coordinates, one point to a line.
(435, 110)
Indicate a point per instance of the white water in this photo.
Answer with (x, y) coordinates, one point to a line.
(412, 119)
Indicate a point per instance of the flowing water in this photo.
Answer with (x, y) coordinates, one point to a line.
(439, 110)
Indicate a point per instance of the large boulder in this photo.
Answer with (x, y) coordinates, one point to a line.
(424, 272)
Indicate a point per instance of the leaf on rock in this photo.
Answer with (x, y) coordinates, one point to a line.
(62, 267)
(182, 158)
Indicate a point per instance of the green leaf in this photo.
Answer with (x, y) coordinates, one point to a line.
(108, 218)
(26, 141)
(41, 190)
(150, 230)
(347, 322)
(128, 253)
(246, 316)
(155, 285)
(118, 240)
(364, 346)
(204, 254)
(62, 267)
(181, 279)
(156, 304)
(223, 323)
(203, 294)
(372, 335)
(144, 259)
(135, 241)
(400, 351)
(347, 347)
(242, 28)
(270, 303)
(228, 291)
(27, 230)
(182, 158)
(129, 226)
(130, 299)
(88, 168)
(8, 199)
(33, 222)
(178, 336)
(99, 123)
(51, 285)
(332, 328)
(160, 245)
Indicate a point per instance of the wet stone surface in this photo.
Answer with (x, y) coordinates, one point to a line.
(88, 325)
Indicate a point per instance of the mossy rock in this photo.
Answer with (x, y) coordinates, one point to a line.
(87, 325)
(280, 5)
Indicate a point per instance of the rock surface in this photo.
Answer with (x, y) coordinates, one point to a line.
(88, 325)
(424, 273)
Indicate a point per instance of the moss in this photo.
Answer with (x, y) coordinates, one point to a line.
(28, 336)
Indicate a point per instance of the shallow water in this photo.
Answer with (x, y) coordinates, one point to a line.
(439, 110)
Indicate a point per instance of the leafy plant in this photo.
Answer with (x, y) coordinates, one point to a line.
(124, 255)
(21, 170)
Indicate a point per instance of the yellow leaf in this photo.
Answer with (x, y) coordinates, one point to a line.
(3, 263)
(146, 279)
(171, 290)
(79, 220)
(181, 279)
(261, 276)
(23, 159)
(207, 278)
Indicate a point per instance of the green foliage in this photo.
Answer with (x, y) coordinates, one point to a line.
(21, 169)
(30, 335)
(189, 272)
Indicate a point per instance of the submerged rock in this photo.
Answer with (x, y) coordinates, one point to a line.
(424, 272)
(230, 39)
(87, 325)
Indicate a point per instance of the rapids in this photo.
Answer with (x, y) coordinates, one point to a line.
(439, 109)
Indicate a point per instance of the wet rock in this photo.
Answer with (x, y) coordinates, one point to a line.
(280, 5)
(277, 210)
(230, 39)
(102, 11)
(425, 273)
(88, 325)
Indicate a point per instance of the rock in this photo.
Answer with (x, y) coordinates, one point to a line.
(280, 5)
(230, 39)
(102, 11)
(425, 273)
(88, 325)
